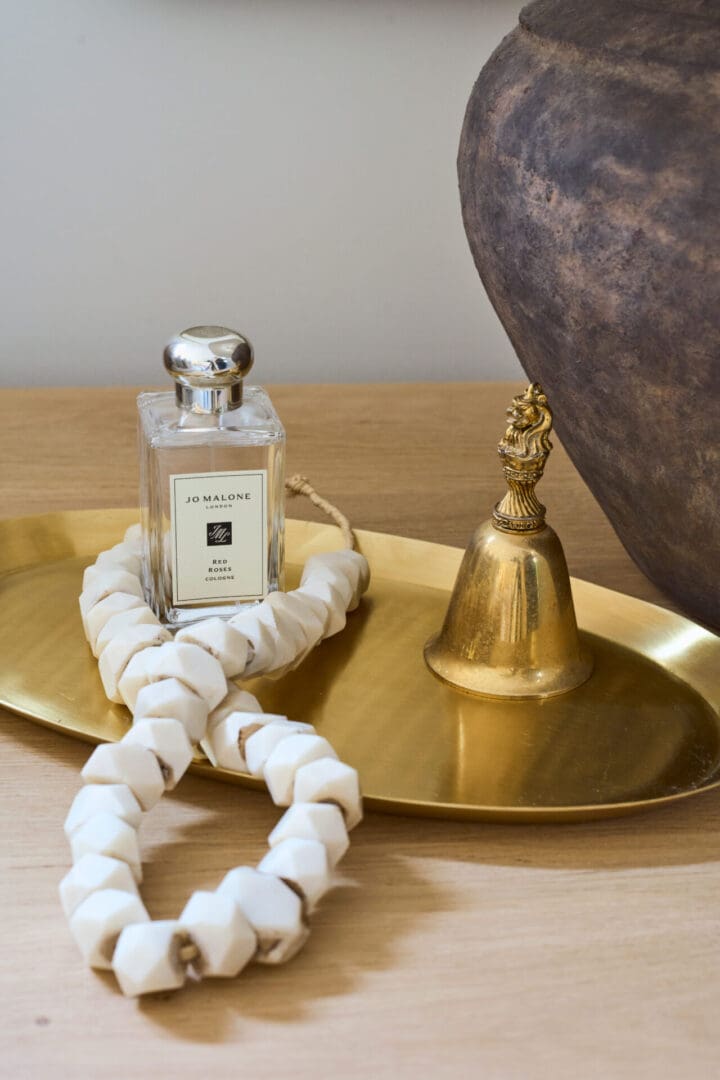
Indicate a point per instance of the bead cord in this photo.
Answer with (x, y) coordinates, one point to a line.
(180, 694)
(300, 485)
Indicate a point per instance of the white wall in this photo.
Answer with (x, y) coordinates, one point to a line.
(286, 167)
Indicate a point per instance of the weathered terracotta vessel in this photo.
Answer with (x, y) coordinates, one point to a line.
(589, 171)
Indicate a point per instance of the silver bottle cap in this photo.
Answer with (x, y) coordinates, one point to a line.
(208, 364)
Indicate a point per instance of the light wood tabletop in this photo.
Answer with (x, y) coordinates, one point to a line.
(454, 950)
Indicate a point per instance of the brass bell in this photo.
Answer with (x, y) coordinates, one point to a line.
(510, 629)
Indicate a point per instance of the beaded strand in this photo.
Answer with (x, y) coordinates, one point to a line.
(180, 694)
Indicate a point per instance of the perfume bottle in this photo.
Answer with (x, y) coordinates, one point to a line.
(212, 459)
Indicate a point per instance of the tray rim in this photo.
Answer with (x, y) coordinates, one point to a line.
(428, 564)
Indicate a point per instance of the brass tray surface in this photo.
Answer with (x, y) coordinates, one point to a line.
(642, 732)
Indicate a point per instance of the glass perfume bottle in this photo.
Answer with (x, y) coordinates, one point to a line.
(212, 460)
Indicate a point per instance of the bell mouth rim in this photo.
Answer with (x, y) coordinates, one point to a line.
(582, 670)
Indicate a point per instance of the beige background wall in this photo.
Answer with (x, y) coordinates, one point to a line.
(284, 166)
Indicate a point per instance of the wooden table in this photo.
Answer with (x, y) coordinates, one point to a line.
(456, 950)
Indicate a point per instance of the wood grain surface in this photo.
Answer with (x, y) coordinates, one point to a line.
(453, 950)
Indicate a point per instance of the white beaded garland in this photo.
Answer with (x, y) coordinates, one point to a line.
(179, 696)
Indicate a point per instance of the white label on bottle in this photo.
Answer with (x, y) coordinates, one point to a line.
(219, 536)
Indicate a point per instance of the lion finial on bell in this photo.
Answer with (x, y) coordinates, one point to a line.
(510, 629)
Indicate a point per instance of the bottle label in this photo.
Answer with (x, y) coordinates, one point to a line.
(219, 538)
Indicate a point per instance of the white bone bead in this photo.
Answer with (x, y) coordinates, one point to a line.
(117, 654)
(123, 763)
(314, 821)
(124, 556)
(90, 874)
(327, 780)
(262, 641)
(235, 700)
(338, 575)
(299, 611)
(90, 574)
(332, 598)
(220, 931)
(226, 643)
(134, 537)
(278, 672)
(288, 638)
(279, 612)
(106, 582)
(121, 557)
(170, 697)
(92, 799)
(317, 568)
(227, 739)
(135, 677)
(351, 564)
(192, 666)
(321, 606)
(98, 920)
(316, 603)
(273, 910)
(314, 633)
(261, 744)
(365, 575)
(355, 566)
(301, 863)
(135, 616)
(287, 757)
(169, 743)
(147, 958)
(104, 609)
(110, 561)
(105, 834)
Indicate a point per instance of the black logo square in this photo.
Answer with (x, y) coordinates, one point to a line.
(219, 533)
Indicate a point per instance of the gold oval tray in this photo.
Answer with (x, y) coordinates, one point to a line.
(644, 731)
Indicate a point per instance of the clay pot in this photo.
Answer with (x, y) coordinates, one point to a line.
(589, 171)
